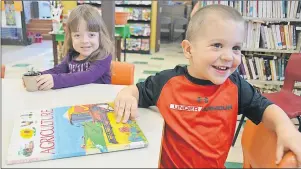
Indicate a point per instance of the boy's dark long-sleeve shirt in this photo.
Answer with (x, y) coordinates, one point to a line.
(200, 117)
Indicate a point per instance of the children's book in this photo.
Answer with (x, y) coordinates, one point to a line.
(10, 13)
(71, 131)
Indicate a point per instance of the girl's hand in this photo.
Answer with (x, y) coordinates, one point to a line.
(45, 82)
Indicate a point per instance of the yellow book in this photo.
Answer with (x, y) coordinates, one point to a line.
(70, 131)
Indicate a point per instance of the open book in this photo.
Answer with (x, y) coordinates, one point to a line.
(71, 131)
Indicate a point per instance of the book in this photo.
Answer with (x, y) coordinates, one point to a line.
(262, 9)
(70, 131)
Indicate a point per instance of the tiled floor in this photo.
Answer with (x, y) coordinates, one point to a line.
(39, 56)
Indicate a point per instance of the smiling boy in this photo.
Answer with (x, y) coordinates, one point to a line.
(200, 102)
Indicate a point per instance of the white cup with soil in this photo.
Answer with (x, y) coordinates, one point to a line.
(30, 80)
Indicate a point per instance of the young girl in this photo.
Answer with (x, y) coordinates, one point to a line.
(88, 51)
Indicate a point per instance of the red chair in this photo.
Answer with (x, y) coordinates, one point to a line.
(285, 98)
(2, 71)
(259, 148)
(122, 73)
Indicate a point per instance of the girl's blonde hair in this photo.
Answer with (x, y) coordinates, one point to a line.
(95, 23)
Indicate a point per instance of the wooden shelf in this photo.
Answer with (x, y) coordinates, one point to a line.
(140, 36)
(270, 50)
(133, 5)
(89, 3)
(275, 20)
(119, 26)
(272, 19)
(139, 51)
(266, 82)
(139, 21)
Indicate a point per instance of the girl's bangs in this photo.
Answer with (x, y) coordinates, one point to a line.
(93, 25)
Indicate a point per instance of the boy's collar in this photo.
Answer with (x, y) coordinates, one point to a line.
(196, 80)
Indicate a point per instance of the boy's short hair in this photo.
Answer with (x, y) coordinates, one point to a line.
(222, 11)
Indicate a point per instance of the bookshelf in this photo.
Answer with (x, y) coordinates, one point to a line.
(139, 23)
(257, 19)
(275, 82)
(270, 50)
(271, 42)
(273, 33)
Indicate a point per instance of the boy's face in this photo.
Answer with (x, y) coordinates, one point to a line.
(216, 51)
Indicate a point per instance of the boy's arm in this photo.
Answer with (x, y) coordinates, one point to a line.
(275, 118)
(288, 136)
(132, 91)
(150, 89)
(60, 68)
(130, 98)
(94, 72)
(250, 102)
(125, 104)
(143, 94)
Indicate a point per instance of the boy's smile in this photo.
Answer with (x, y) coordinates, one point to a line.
(222, 70)
(215, 52)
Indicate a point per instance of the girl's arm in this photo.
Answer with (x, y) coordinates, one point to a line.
(97, 69)
(60, 68)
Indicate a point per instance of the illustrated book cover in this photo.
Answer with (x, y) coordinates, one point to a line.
(71, 131)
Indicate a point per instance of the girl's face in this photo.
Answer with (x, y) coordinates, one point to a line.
(85, 42)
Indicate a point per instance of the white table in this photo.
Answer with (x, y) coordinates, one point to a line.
(16, 99)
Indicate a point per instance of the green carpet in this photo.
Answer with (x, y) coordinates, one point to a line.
(157, 58)
(233, 165)
(21, 65)
(152, 72)
(141, 63)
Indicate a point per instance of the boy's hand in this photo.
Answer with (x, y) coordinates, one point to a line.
(288, 140)
(288, 137)
(45, 82)
(125, 106)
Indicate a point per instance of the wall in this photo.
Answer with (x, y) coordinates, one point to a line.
(18, 20)
(68, 5)
(153, 38)
(13, 34)
(27, 10)
(8, 31)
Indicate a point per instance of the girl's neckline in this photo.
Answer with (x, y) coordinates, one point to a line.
(76, 58)
(74, 55)
(80, 61)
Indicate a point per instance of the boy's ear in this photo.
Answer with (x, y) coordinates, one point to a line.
(186, 46)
